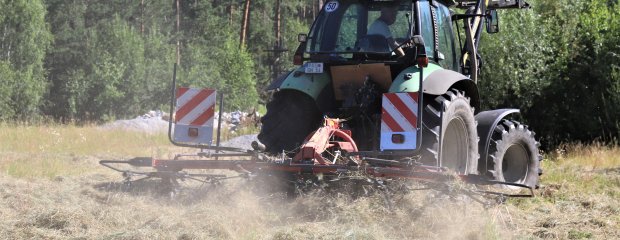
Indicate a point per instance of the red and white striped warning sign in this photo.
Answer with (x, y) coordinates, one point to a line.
(400, 112)
(399, 121)
(195, 107)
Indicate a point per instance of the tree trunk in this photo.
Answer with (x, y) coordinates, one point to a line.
(278, 26)
(178, 33)
(142, 17)
(244, 24)
(231, 10)
(316, 8)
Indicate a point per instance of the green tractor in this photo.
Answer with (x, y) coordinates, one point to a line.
(403, 76)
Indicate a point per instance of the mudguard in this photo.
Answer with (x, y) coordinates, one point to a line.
(440, 81)
(308, 83)
(487, 121)
(437, 81)
(408, 79)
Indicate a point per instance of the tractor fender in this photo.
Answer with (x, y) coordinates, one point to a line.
(278, 82)
(437, 81)
(442, 80)
(487, 121)
(408, 79)
(311, 84)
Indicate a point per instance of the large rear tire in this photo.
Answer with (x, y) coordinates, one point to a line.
(513, 154)
(450, 118)
(290, 117)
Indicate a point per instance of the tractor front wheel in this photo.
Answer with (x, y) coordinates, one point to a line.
(449, 118)
(290, 117)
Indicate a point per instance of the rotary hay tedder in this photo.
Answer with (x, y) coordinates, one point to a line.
(328, 156)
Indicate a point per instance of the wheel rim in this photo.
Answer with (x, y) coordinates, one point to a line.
(454, 150)
(515, 163)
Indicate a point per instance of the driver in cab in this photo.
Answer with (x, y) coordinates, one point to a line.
(381, 27)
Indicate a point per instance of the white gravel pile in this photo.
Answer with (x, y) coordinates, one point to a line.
(153, 122)
(150, 122)
(243, 142)
(157, 121)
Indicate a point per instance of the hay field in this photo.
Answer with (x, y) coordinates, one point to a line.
(51, 187)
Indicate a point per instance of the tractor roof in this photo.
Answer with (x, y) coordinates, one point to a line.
(497, 4)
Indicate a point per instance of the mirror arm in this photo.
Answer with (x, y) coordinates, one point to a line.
(457, 17)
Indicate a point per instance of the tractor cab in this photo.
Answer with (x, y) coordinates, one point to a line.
(360, 30)
(366, 31)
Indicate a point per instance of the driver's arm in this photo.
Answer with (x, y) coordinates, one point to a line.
(393, 44)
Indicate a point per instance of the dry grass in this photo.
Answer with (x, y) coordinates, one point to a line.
(51, 187)
(579, 197)
(49, 151)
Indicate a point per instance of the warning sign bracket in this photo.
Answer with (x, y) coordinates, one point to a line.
(193, 120)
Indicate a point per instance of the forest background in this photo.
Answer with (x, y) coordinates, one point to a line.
(83, 61)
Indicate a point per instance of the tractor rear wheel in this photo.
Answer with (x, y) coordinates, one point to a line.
(513, 154)
(290, 117)
(449, 118)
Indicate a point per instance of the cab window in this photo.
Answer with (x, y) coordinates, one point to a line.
(427, 27)
(347, 35)
(344, 28)
(446, 38)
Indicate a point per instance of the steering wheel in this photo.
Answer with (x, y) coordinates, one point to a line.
(406, 43)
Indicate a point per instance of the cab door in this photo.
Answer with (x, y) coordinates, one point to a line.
(438, 35)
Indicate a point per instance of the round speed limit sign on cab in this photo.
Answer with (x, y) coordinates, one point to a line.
(331, 6)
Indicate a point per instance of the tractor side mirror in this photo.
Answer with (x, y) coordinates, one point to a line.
(492, 21)
(302, 37)
(298, 58)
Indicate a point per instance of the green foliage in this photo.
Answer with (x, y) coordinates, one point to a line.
(116, 59)
(156, 82)
(64, 61)
(24, 39)
(514, 71)
(237, 71)
(582, 99)
(104, 67)
(228, 69)
(7, 76)
(559, 62)
(113, 59)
